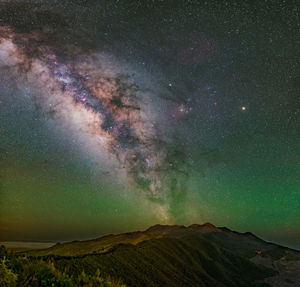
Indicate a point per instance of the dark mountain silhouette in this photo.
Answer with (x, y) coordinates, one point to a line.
(173, 255)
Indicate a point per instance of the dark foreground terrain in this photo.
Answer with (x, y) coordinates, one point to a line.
(198, 255)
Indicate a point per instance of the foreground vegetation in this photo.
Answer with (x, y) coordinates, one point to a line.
(33, 272)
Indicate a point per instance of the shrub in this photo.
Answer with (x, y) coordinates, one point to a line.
(7, 277)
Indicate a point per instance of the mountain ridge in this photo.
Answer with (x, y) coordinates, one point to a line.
(105, 242)
(177, 255)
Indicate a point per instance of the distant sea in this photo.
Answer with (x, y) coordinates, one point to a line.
(25, 245)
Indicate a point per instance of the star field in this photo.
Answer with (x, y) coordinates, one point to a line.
(116, 115)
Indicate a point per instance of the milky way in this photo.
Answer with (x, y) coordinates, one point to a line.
(128, 113)
(115, 109)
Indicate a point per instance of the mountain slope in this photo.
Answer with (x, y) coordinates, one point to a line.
(245, 244)
(168, 262)
(163, 255)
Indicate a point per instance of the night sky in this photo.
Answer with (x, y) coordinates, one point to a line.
(117, 115)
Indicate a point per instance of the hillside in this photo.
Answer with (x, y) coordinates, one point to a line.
(245, 244)
(170, 262)
(163, 255)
